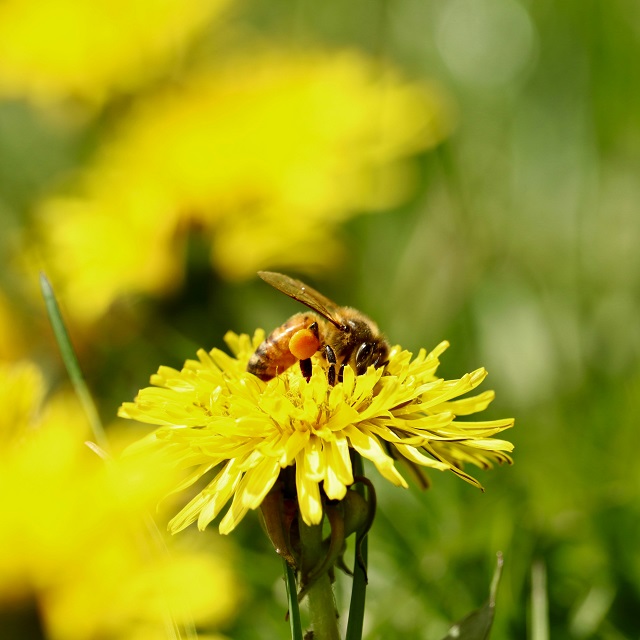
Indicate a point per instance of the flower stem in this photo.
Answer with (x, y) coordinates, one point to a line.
(322, 606)
(322, 610)
(359, 589)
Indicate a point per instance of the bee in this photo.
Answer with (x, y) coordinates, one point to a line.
(343, 336)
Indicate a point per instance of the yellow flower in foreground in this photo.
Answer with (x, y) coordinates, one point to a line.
(56, 49)
(264, 156)
(215, 413)
(74, 543)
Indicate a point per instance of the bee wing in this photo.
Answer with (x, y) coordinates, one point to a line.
(305, 294)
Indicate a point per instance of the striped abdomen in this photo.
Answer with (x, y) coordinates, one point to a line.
(273, 355)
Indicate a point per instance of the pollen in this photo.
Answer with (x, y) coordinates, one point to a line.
(304, 344)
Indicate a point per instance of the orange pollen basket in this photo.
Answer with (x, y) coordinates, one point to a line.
(304, 344)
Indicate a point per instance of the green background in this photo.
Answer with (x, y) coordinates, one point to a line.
(520, 247)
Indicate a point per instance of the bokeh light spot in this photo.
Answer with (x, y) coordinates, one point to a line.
(485, 42)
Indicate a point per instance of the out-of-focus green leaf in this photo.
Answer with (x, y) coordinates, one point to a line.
(477, 624)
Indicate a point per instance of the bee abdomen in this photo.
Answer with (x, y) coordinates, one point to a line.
(272, 355)
(269, 359)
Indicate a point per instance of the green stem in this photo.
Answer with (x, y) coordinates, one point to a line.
(292, 598)
(359, 589)
(358, 594)
(322, 610)
(322, 606)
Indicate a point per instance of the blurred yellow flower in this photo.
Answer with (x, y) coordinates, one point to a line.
(215, 413)
(12, 335)
(264, 157)
(74, 543)
(97, 251)
(57, 49)
(21, 393)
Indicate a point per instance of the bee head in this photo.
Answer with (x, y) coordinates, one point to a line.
(371, 353)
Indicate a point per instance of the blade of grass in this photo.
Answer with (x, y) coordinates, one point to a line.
(359, 588)
(292, 598)
(71, 362)
(539, 604)
(477, 624)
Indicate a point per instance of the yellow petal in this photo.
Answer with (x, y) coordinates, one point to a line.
(259, 481)
(309, 500)
(369, 447)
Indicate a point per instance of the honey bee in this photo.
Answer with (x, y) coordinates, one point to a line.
(343, 336)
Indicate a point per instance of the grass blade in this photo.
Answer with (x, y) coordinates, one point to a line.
(477, 625)
(71, 362)
(539, 604)
(292, 598)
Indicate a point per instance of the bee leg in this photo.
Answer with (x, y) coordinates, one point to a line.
(305, 368)
(331, 359)
(341, 373)
(314, 328)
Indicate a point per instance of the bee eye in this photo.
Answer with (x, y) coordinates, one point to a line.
(363, 356)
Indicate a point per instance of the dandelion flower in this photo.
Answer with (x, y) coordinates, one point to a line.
(238, 152)
(73, 544)
(56, 49)
(215, 415)
(13, 338)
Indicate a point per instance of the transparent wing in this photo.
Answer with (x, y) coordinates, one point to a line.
(305, 294)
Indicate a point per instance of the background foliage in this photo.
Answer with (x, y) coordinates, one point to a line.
(518, 243)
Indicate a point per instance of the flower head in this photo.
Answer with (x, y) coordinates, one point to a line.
(13, 339)
(213, 414)
(55, 49)
(265, 155)
(73, 540)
